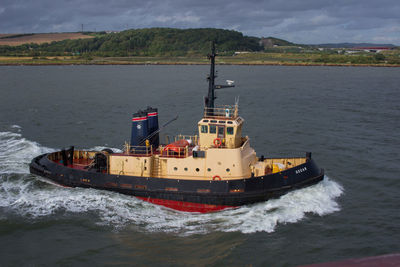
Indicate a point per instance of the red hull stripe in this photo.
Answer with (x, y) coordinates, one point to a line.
(152, 114)
(139, 119)
(185, 206)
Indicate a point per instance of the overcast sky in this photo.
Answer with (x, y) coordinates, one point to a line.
(300, 21)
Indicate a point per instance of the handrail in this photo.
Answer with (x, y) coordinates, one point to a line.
(245, 143)
(175, 151)
(193, 138)
(140, 150)
(225, 111)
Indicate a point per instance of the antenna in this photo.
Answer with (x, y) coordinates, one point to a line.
(209, 100)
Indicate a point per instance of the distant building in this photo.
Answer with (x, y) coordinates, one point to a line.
(376, 49)
(349, 51)
(241, 52)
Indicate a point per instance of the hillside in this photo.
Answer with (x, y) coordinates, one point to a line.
(272, 42)
(141, 42)
(39, 38)
(177, 46)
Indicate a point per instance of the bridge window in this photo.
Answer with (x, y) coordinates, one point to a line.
(229, 130)
(204, 128)
(213, 129)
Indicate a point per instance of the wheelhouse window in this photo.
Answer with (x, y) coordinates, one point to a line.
(229, 130)
(213, 129)
(204, 128)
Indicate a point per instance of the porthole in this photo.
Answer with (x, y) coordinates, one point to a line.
(185, 169)
(175, 168)
(208, 169)
(197, 169)
(228, 170)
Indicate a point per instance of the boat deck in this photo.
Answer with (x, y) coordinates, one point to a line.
(79, 164)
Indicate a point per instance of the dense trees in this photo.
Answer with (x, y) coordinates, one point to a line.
(143, 42)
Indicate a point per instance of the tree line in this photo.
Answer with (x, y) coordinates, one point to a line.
(142, 42)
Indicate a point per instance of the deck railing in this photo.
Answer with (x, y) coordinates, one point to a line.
(139, 150)
(221, 112)
(193, 138)
(175, 152)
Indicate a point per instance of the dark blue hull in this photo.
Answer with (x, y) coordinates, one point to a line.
(221, 194)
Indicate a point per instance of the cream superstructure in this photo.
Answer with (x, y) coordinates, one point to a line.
(218, 152)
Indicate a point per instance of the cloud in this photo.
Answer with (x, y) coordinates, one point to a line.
(187, 17)
(306, 21)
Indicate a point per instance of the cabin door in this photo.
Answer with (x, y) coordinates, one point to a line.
(221, 132)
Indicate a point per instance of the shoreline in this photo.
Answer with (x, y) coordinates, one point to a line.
(265, 59)
(197, 63)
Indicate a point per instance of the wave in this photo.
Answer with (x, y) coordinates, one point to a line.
(16, 152)
(25, 195)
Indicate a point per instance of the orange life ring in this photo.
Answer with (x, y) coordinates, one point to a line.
(216, 177)
(217, 142)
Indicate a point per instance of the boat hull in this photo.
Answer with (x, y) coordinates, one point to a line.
(185, 195)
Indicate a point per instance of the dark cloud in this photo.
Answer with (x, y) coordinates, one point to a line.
(302, 21)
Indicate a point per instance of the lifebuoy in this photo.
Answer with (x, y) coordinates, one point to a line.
(217, 142)
(216, 177)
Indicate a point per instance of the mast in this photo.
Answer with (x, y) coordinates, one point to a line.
(209, 100)
(211, 80)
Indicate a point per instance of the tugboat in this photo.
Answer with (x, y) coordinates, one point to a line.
(211, 171)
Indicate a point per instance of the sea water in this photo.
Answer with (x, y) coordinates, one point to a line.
(348, 118)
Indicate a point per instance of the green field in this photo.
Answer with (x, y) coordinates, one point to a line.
(386, 58)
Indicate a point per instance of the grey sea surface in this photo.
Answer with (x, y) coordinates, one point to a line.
(349, 117)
